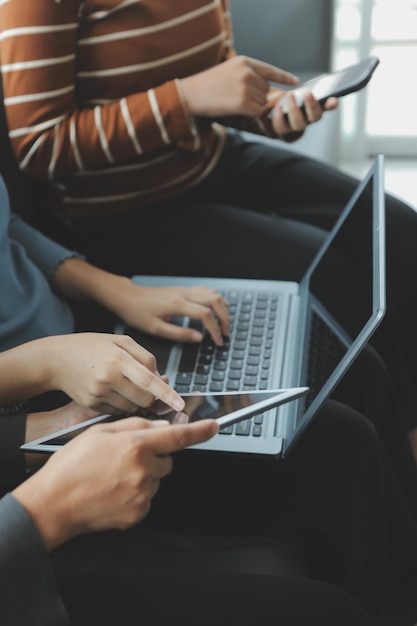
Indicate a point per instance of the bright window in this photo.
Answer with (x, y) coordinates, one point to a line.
(382, 117)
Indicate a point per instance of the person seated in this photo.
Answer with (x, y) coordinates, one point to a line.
(51, 291)
(105, 478)
(335, 494)
(141, 132)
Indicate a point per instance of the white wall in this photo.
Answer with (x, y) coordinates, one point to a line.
(295, 35)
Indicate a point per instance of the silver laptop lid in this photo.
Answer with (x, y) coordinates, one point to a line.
(346, 284)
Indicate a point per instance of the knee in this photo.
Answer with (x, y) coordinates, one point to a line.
(345, 429)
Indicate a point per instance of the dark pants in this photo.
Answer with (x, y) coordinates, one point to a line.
(334, 494)
(263, 213)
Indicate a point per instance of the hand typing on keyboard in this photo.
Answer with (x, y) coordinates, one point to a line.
(242, 361)
(152, 309)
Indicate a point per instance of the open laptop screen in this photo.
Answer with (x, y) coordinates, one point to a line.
(343, 279)
(346, 285)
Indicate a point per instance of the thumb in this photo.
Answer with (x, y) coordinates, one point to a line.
(179, 436)
(132, 423)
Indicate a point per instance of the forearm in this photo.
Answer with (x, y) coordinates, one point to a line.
(27, 370)
(78, 280)
(29, 590)
(44, 504)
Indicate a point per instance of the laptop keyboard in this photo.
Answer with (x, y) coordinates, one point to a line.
(326, 350)
(243, 362)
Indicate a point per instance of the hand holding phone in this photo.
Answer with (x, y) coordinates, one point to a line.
(336, 84)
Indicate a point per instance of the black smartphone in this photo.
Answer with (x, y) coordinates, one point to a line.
(339, 83)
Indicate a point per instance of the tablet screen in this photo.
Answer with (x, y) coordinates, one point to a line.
(227, 408)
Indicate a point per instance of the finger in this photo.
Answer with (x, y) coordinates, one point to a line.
(274, 74)
(157, 423)
(219, 305)
(194, 311)
(313, 108)
(221, 310)
(211, 325)
(331, 104)
(258, 98)
(179, 436)
(138, 379)
(138, 352)
(131, 423)
(123, 397)
(280, 120)
(259, 88)
(215, 300)
(150, 380)
(206, 316)
(296, 117)
(161, 410)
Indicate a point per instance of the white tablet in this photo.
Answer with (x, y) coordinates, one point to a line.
(227, 408)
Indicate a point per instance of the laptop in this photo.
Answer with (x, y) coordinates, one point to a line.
(288, 334)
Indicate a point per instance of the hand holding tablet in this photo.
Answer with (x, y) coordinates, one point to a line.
(226, 408)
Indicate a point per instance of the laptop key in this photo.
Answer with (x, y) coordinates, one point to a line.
(226, 430)
(188, 357)
(201, 379)
(216, 386)
(242, 363)
(183, 389)
(244, 428)
(257, 430)
(183, 378)
(199, 388)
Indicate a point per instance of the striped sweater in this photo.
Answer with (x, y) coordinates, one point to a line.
(93, 98)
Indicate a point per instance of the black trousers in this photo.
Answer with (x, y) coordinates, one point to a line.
(335, 494)
(194, 596)
(264, 212)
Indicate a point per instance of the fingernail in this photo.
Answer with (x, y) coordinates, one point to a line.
(156, 423)
(180, 418)
(196, 336)
(178, 404)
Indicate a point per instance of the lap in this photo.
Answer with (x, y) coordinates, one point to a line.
(181, 588)
(325, 495)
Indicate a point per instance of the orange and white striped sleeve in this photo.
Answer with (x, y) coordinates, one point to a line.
(44, 69)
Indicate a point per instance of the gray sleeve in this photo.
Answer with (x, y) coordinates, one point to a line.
(12, 459)
(42, 251)
(29, 594)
